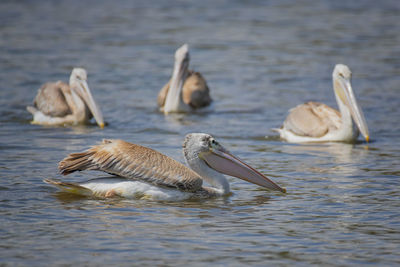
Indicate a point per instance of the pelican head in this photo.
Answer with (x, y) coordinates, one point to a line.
(78, 83)
(209, 158)
(342, 85)
(174, 101)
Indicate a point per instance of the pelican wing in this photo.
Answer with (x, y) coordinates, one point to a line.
(50, 100)
(162, 95)
(133, 162)
(312, 119)
(195, 91)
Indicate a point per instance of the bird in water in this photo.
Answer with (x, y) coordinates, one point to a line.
(187, 90)
(58, 103)
(144, 173)
(317, 122)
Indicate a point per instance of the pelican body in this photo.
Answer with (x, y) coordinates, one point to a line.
(58, 103)
(317, 122)
(187, 90)
(142, 172)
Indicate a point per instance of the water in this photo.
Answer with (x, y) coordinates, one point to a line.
(260, 59)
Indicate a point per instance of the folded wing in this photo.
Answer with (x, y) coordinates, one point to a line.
(312, 119)
(195, 92)
(51, 101)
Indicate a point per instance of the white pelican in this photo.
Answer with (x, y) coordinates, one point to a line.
(187, 90)
(58, 103)
(146, 173)
(316, 122)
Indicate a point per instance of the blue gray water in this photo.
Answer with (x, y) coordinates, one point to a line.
(260, 59)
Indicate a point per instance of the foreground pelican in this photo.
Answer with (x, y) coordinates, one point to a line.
(187, 90)
(146, 173)
(60, 104)
(316, 122)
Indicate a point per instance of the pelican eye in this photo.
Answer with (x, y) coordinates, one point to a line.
(214, 143)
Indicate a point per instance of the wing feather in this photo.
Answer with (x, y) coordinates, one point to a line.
(133, 162)
(195, 92)
(162, 95)
(51, 101)
(312, 119)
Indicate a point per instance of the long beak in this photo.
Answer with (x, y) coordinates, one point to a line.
(355, 109)
(174, 101)
(87, 96)
(226, 163)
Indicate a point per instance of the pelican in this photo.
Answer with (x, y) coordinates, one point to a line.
(187, 90)
(145, 173)
(58, 103)
(317, 122)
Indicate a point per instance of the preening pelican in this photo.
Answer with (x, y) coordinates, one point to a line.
(316, 122)
(187, 90)
(145, 173)
(58, 103)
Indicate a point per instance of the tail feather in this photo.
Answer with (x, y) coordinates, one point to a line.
(91, 159)
(70, 187)
(278, 130)
(31, 110)
(76, 162)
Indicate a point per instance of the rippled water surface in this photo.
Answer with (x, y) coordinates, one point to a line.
(260, 59)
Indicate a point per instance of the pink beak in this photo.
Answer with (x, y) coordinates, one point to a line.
(226, 163)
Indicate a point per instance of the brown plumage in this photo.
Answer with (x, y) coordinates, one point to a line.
(312, 119)
(131, 161)
(54, 99)
(195, 91)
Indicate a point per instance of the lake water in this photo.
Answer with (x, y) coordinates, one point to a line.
(260, 58)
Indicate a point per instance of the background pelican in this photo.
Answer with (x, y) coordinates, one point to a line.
(316, 122)
(187, 90)
(59, 103)
(146, 173)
